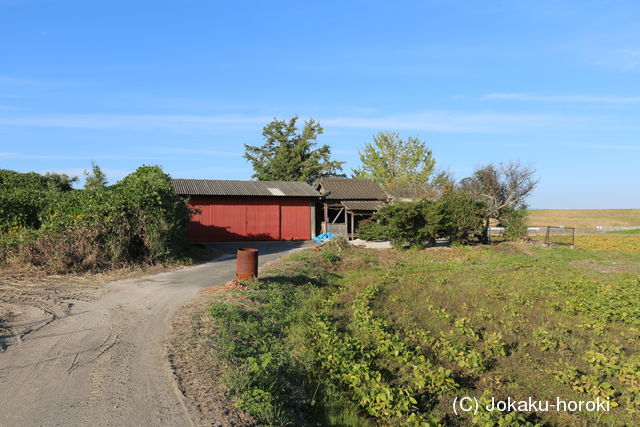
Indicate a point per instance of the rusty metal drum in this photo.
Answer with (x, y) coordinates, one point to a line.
(247, 263)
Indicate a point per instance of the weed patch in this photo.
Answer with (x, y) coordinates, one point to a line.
(363, 337)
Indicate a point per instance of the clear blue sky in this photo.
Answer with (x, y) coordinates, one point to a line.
(185, 84)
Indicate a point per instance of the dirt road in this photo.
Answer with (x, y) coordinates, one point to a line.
(103, 362)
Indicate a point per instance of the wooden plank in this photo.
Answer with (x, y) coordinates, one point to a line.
(338, 216)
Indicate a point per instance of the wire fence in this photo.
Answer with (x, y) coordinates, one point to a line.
(546, 234)
(560, 236)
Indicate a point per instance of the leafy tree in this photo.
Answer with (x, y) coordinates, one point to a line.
(502, 188)
(61, 181)
(289, 155)
(96, 179)
(402, 167)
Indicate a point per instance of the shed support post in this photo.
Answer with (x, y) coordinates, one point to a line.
(353, 225)
(326, 218)
(312, 210)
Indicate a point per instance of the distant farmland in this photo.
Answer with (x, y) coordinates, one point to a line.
(585, 218)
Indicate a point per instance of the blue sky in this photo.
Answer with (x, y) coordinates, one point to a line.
(186, 84)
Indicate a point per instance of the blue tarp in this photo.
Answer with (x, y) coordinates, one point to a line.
(324, 237)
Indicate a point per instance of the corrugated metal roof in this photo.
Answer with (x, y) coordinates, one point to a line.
(218, 187)
(362, 205)
(350, 189)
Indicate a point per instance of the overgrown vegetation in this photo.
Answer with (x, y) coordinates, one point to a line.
(515, 223)
(391, 337)
(455, 216)
(58, 229)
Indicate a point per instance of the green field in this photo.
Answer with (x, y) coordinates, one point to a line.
(636, 231)
(347, 336)
(585, 218)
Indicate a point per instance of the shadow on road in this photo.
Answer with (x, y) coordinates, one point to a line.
(227, 250)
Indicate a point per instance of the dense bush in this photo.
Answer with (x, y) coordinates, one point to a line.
(406, 223)
(333, 249)
(369, 229)
(139, 219)
(457, 217)
(515, 223)
(454, 216)
(24, 195)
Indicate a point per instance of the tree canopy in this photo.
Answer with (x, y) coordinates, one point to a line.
(503, 188)
(290, 155)
(403, 167)
(96, 179)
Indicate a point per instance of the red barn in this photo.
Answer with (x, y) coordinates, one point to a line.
(249, 210)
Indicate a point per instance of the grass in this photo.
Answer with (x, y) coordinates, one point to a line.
(611, 242)
(634, 231)
(585, 218)
(364, 337)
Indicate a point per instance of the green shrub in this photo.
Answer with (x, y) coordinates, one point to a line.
(370, 229)
(515, 223)
(24, 195)
(333, 250)
(457, 217)
(329, 256)
(405, 223)
(140, 219)
(454, 216)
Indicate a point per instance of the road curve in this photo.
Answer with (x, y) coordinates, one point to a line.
(105, 363)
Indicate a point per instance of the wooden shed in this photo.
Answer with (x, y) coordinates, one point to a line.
(346, 201)
(249, 210)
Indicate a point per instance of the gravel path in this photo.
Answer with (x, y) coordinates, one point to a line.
(103, 363)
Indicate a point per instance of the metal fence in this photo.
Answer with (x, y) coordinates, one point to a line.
(546, 234)
(560, 236)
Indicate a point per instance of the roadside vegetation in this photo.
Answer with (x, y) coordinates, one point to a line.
(349, 336)
(47, 225)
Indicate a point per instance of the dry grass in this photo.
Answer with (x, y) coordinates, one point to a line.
(585, 218)
(609, 242)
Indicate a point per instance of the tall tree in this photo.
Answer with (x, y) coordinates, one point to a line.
(503, 188)
(290, 155)
(96, 179)
(402, 167)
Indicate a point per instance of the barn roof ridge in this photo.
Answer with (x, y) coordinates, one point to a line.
(225, 187)
(341, 188)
